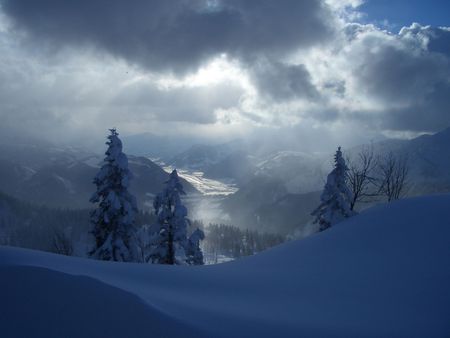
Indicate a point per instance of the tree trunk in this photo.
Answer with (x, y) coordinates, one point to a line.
(171, 258)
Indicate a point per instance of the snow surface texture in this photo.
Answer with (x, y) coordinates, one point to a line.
(383, 273)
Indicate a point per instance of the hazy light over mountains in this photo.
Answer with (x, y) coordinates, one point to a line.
(314, 72)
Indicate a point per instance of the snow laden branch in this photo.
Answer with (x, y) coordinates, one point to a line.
(168, 241)
(336, 197)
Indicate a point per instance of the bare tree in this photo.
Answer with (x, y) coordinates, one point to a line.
(393, 176)
(361, 176)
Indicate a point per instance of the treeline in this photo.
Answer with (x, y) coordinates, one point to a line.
(26, 225)
(114, 229)
(30, 226)
(231, 242)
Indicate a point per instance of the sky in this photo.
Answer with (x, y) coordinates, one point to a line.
(399, 13)
(317, 72)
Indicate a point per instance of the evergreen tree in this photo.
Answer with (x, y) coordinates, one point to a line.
(113, 220)
(194, 253)
(170, 242)
(336, 197)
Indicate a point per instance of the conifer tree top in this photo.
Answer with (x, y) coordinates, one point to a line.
(174, 182)
(114, 141)
(114, 154)
(113, 219)
(335, 197)
(170, 242)
(339, 161)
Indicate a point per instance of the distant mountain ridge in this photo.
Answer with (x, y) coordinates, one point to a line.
(277, 189)
(202, 156)
(63, 177)
(286, 185)
(428, 159)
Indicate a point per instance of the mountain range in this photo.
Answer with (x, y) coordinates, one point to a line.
(62, 177)
(277, 190)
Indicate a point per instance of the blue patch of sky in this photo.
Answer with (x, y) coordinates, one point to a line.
(395, 14)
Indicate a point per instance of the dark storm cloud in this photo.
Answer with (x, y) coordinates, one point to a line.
(396, 74)
(83, 94)
(408, 74)
(355, 74)
(283, 82)
(430, 113)
(175, 35)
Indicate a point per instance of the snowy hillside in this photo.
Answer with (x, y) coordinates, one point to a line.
(202, 156)
(428, 160)
(383, 273)
(62, 177)
(300, 172)
(304, 172)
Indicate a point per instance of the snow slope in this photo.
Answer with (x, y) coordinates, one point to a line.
(206, 186)
(384, 273)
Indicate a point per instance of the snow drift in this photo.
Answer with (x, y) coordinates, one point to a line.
(384, 273)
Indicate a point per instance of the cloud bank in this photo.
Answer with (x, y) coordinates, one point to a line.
(222, 68)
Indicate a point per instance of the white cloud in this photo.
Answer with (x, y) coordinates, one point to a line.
(363, 78)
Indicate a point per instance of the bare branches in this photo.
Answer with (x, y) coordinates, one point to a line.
(393, 174)
(370, 176)
(361, 176)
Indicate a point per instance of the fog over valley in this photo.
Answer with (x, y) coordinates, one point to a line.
(224, 168)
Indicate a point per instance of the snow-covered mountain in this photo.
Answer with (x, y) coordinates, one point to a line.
(62, 177)
(299, 172)
(203, 156)
(265, 205)
(284, 187)
(155, 146)
(302, 172)
(239, 166)
(383, 273)
(429, 161)
(275, 190)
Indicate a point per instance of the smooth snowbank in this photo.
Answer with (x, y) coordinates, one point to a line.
(37, 302)
(384, 273)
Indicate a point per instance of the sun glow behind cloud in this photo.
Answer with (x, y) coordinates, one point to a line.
(330, 74)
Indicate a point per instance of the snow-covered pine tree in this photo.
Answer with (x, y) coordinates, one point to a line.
(113, 220)
(170, 243)
(336, 196)
(194, 253)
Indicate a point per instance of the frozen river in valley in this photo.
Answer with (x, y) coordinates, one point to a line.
(206, 186)
(205, 206)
